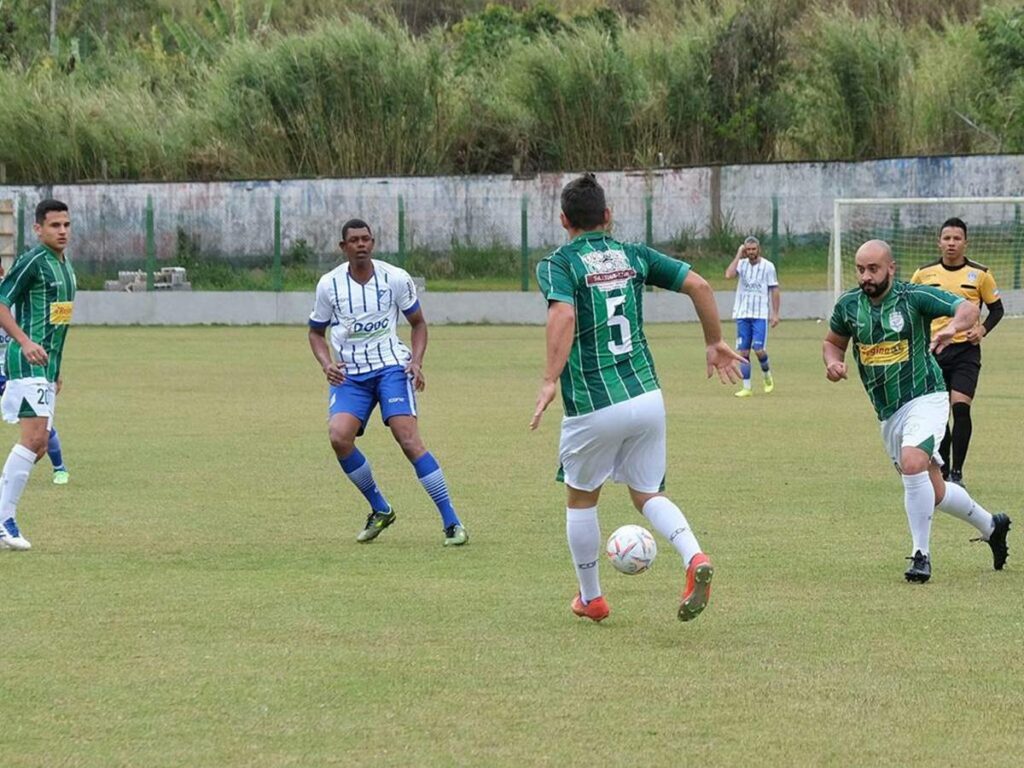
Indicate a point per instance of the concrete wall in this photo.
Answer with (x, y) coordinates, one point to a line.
(236, 218)
(255, 308)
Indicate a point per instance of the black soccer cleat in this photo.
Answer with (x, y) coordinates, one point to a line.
(997, 541)
(956, 476)
(920, 569)
(375, 523)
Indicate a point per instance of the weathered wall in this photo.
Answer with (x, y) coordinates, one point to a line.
(236, 218)
(245, 308)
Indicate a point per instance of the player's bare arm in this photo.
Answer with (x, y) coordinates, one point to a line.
(721, 358)
(995, 314)
(731, 272)
(419, 349)
(561, 327)
(335, 371)
(965, 317)
(776, 305)
(33, 352)
(833, 352)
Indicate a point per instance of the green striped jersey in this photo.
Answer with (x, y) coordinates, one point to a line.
(40, 289)
(891, 341)
(604, 280)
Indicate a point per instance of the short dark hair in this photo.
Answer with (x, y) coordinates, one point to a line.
(49, 206)
(954, 222)
(583, 202)
(354, 224)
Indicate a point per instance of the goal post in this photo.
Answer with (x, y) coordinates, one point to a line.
(995, 234)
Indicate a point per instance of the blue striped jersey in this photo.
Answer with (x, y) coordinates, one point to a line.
(363, 318)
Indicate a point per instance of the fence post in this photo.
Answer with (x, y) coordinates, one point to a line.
(893, 241)
(278, 281)
(775, 230)
(649, 225)
(150, 245)
(524, 245)
(1019, 242)
(401, 231)
(20, 246)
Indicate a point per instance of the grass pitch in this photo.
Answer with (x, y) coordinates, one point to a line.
(195, 596)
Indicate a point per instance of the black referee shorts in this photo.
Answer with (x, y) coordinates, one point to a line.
(961, 365)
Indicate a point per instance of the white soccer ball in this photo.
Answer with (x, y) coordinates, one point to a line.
(631, 549)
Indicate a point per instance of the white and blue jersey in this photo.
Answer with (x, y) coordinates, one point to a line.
(753, 290)
(363, 319)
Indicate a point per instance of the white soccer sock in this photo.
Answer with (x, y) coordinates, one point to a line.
(12, 482)
(958, 503)
(746, 383)
(919, 499)
(584, 535)
(670, 522)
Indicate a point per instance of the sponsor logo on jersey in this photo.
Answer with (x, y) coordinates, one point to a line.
(896, 320)
(884, 353)
(60, 312)
(371, 327)
(972, 275)
(608, 270)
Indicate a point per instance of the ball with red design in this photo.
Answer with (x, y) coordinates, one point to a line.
(631, 549)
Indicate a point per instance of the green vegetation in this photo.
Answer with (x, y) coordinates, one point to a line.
(214, 89)
(195, 596)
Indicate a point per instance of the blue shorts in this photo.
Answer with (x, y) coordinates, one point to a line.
(751, 333)
(358, 394)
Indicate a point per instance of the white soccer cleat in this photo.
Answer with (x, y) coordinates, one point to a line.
(11, 538)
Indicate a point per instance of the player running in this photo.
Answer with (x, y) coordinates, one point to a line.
(359, 302)
(40, 288)
(614, 425)
(889, 321)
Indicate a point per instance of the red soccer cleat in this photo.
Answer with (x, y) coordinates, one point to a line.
(596, 610)
(698, 587)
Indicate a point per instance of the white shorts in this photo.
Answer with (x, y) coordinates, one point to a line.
(624, 441)
(25, 398)
(921, 419)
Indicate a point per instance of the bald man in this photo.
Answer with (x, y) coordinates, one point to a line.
(889, 321)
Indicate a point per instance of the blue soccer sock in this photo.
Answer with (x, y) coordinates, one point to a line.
(745, 370)
(360, 473)
(430, 475)
(764, 363)
(53, 449)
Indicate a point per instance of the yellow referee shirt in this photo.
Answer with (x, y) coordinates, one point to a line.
(971, 280)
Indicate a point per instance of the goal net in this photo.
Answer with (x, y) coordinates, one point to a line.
(995, 234)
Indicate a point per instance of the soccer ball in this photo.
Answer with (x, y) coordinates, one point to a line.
(631, 549)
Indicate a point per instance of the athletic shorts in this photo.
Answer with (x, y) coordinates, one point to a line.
(961, 366)
(921, 423)
(28, 398)
(391, 387)
(624, 442)
(751, 333)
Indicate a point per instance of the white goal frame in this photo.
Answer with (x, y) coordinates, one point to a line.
(838, 203)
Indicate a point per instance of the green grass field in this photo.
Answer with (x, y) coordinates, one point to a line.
(195, 596)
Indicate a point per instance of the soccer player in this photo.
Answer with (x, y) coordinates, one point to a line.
(359, 302)
(614, 425)
(756, 307)
(41, 289)
(961, 360)
(889, 322)
(53, 447)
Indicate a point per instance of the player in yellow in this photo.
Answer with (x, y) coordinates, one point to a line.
(961, 360)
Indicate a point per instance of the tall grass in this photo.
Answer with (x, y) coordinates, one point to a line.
(348, 98)
(666, 83)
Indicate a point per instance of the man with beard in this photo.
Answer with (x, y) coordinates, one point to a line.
(889, 321)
